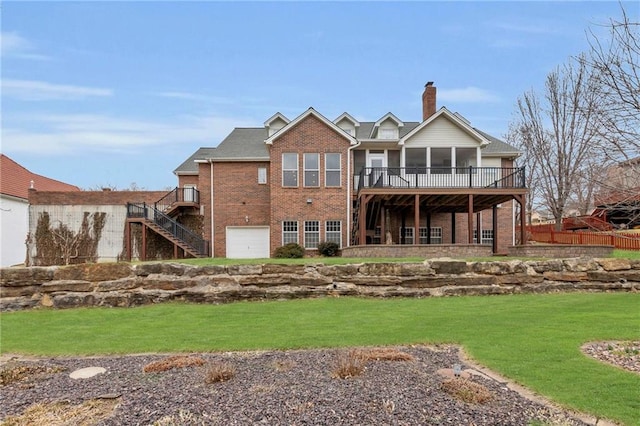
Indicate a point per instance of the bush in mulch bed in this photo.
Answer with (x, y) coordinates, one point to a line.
(467, 391)
(176, 361)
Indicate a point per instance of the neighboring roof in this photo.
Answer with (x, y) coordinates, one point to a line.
(16, 180)
(320, 117)
(189, 166)
(243, 143)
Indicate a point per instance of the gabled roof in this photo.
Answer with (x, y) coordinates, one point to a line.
(352, 140)
(497, 148)
(456, 119)
(274, 117)
(190, 166)
(242, 144)
(387, 116)
(347, 116)
(16, 180)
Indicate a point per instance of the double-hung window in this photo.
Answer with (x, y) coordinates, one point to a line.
(289, 232)
(333, 232)
(312, 170)
(290, 169)
(311, 234)
(262, 175)
(486, 236)
(436, 235)
(408, 235)
(332, 169)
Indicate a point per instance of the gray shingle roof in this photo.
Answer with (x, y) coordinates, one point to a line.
(243, 143)
(497, 147)
(189, 166)
(247, 143)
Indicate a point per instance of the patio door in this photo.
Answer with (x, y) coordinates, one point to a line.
(377, 161)
(189, 193)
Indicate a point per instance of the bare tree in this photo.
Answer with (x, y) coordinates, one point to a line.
(516, 136)
(558, 132)
(615, 63)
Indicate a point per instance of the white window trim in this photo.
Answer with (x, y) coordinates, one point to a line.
(297, 232)
(408, 230)
(306, 245)
(290, 170)
(305, 170)
(262, 175)
(339, 232)
(339, 170)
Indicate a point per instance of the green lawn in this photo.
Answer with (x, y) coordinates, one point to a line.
(533, 339)
(622, 254)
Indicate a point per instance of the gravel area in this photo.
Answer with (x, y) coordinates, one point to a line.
(294, 387)
(625, 355)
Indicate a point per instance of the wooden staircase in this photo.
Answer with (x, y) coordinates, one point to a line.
(167, 227)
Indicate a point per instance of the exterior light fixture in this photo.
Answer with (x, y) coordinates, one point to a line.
(309, 201)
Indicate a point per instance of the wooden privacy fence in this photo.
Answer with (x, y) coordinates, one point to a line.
(625, 241)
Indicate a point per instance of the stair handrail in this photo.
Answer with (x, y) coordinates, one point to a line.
(177, 195)
(177, 230)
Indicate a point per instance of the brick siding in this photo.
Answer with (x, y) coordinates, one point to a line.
(309, 136)
(239, 200)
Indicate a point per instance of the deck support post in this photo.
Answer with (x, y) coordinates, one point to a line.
(127, 237)
(144, 242)
(453, 228)
(470, 221)
(428, 228)
(521, 199)
(362, 220)
(494, 219)
(383, 225)
(416, 218)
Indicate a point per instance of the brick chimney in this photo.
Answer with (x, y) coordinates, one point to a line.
(428, 101)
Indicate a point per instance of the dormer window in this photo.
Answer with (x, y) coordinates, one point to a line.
(275, 123)
(388, 133)
(387, 127)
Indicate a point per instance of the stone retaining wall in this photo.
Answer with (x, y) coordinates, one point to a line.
(560, 251)
(122, 284)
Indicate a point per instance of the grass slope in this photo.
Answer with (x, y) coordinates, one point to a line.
(533, 339)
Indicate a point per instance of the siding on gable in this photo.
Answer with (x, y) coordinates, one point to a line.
(441, 133)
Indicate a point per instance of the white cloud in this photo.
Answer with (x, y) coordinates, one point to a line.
(64, 134)
(188, 96)
(527, 28)
(14, 45)
(467, 95)
(30, 90)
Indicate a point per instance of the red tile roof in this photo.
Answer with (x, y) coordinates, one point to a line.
(15, 180)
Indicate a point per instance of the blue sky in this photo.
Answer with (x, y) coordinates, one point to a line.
(110, 93)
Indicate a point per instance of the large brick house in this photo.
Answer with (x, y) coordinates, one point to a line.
(312, 179)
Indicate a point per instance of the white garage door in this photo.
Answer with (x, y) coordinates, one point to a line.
(247, 242)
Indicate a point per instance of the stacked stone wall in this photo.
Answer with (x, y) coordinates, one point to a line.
(122, 285)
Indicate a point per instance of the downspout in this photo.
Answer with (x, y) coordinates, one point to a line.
(349, 184)
(211, 207)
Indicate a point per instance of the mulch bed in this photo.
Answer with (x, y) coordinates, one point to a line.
(297, 387)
